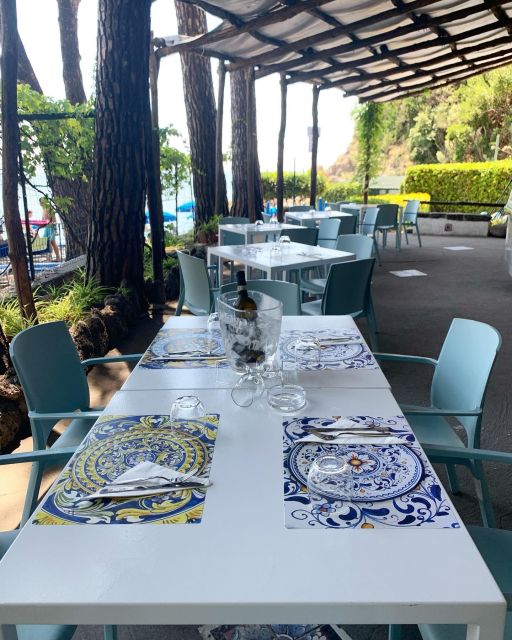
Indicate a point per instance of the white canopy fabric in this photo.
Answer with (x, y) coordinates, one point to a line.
(373, 49)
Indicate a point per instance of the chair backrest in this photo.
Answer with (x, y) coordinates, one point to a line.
(299, 207)
(464, 366)
(50, 373)
(370, 220)
(348, 287)
(361, 246)
(348, 225)
(287, 292)
(347, 209)
(232, 238)
(266, 217)
(388, 215)
(328, 232)
(304, 235)
(410, 213)
(195, 284)
(234, 220)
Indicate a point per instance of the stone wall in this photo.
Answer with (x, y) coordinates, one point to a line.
(453, 224)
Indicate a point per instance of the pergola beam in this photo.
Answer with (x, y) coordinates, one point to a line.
(379, 39)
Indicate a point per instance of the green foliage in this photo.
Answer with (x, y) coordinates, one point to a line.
(174, 164)
(369, 126)
(11, 319)
(296, 185)
(342, 191)
(63, 147)
(471, 182)
(168, 263)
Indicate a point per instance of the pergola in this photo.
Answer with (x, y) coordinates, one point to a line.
(376, 50)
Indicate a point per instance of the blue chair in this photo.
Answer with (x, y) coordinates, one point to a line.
(369, 227)
(459, 385)
(361, 246)
(410, 219)
(287, 292)
(347, 292)
(494, 545)
(196, 291)
(387, 221)
(55, 388)
(348, 225)
(328, 232)
(304, 235)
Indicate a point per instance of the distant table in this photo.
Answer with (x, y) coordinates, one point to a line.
(250, 232)
(276, 263)
(302, 216)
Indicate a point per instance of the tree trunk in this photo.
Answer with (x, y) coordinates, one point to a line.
(240, 205)
(116, 234)
(220, 180)
(201, 114)
(10, 149)
(314, 147)
(68, 25)
(280, 151)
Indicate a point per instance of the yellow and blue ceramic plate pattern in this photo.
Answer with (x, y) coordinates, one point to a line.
(118, 443)
(181, 341)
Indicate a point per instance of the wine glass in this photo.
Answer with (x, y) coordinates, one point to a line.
(330, 479)
(250, 339)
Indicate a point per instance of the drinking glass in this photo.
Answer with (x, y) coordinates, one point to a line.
(285, 243)
(306, 351)
(185, 414)
(330, 477)
(250, 339)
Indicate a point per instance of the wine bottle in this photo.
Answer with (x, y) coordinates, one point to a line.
(244, 302)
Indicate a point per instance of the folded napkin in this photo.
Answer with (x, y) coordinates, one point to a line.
(348, 439)
(148, 478)
(344, 423)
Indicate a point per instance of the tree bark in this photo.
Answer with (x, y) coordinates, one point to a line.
(314, 147)
(280, 151)
(116, 234)
(201, 114)
(68, 25)
(10, 149)
(220, 180)
(239, 115)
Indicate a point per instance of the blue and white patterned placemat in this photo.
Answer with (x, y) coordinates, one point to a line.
(169, 342)
(354, 355)
(394, 485)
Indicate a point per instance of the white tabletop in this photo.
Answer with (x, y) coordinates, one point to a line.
(208, 378)
(274, 264)
(240, 564)
(313, 215)
(250, 229)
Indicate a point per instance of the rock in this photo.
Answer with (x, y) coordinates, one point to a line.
(14, 422)
(99, 333)
(83, 340)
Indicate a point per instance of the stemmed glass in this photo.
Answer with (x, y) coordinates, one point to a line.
(250, 338)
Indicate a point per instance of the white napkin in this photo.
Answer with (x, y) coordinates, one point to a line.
(354, 440)
(145, 471)
(335, 342)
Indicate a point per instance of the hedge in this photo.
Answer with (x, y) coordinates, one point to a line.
(466, 181)
(297, 185)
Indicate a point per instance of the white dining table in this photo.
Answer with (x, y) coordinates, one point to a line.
(275, 264)
(241, 564)
(303, 216)
(250, 233)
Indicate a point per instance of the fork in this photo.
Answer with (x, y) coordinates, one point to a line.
(334, 436)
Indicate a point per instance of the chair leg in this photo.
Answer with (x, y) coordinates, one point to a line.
(404, 227)
(371, 312)
(484, 497)
(394, 632)
(179, 306)
(418, 234)
(109, 632)
(453, 481)
(34, 484)
(377, 253)
(372, 328)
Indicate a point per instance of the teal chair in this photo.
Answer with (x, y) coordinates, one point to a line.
(229, 238)
(304, 235)
(369, 227)
(459, 385)
(328, 232)
(388, 221)
(410, 219)
(347, 292)
(287, 292)
(494, 545)
(348, 225)
(299, 207)
(55, 388)
(196, 291)
(361, 246)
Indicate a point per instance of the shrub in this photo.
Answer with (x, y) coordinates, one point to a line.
(342, 191)
(466, 181)
(295, 185)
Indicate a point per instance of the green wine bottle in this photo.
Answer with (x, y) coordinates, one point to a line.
(243, 302)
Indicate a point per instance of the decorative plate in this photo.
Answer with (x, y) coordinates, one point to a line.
(167, 343)
(379, 472)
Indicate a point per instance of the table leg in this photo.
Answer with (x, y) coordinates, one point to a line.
(213, 259)
(493, 629)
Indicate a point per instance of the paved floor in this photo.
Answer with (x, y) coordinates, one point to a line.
(413, 316)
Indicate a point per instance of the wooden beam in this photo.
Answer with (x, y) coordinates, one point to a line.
(230, 30)
(314, 147)
(220, 184)
(280, 151)
(381, 39)
(300, 76)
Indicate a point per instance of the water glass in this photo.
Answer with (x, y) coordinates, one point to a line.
(330, 476)
(286, 398)
(187, 408)
(285, 243)
(212, 323)
(306, 351)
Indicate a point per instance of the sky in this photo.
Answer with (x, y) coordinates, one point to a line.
(38, 27)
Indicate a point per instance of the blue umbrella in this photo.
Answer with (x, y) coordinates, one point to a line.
(168, 217)
(187, 206)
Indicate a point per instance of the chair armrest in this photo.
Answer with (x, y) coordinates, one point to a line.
(35, 415)
(397, 357)
(464, 453)
(411, 410)
(132, 357)
(50, 456)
